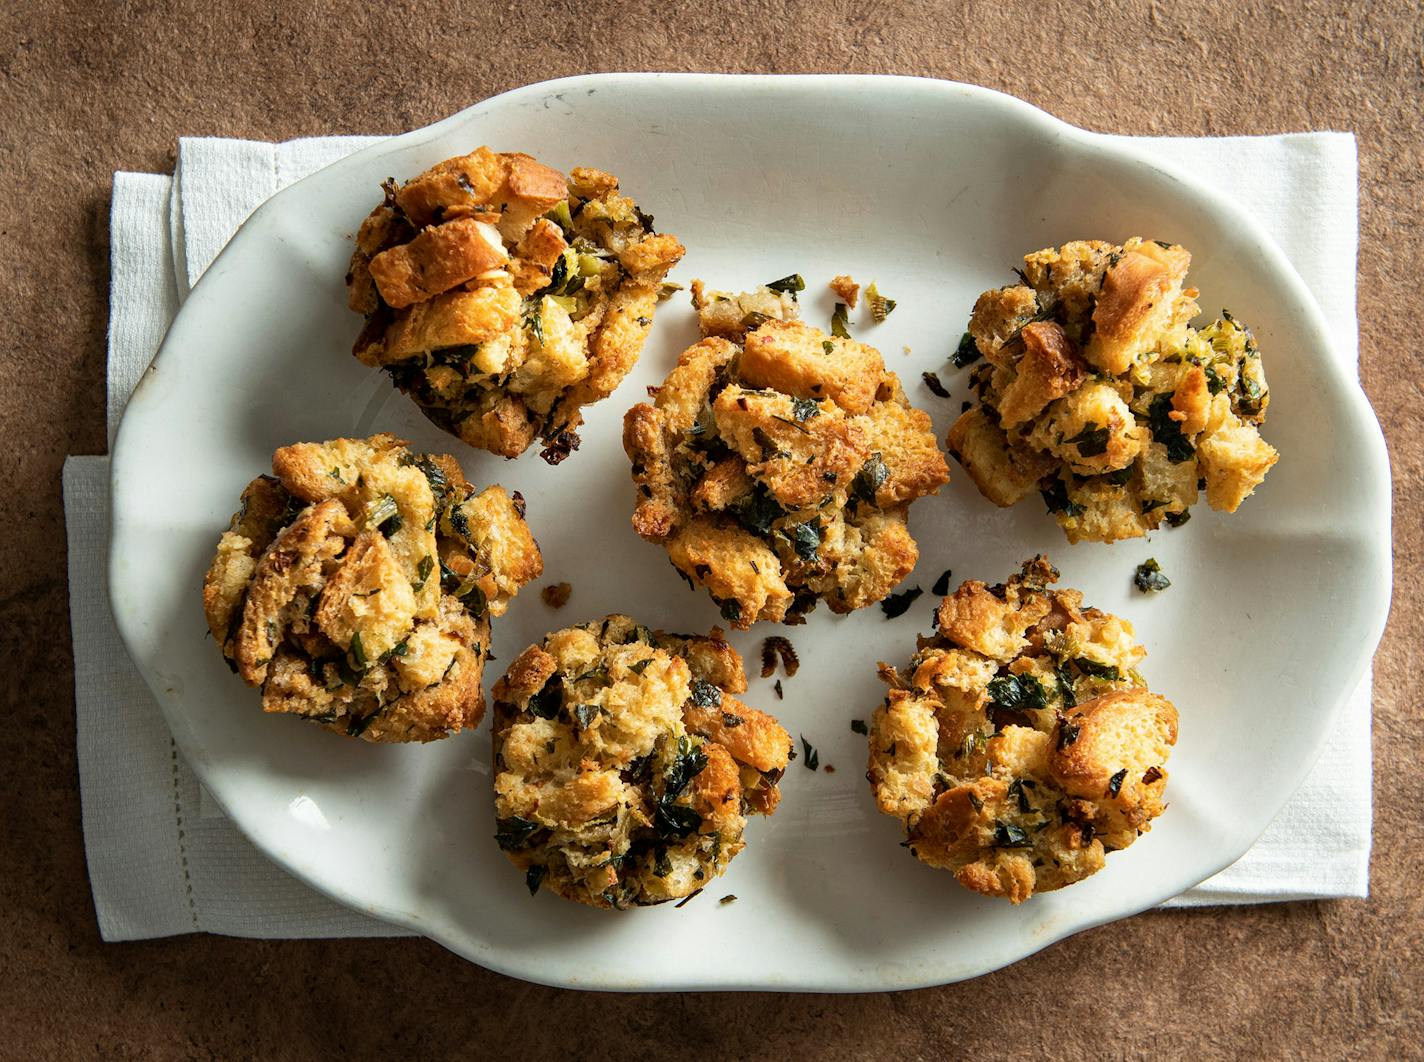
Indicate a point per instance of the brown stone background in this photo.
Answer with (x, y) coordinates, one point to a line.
(88, 88)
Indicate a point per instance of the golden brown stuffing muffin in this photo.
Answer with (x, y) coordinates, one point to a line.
(625, 767)
(777, 463)
(1021, 745)
(1096, 391)
(503, 297)
(355, 587)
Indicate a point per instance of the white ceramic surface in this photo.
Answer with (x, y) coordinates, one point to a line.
(934, 189)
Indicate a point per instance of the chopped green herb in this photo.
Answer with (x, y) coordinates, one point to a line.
(706, 694)
(777, 687)
(547, 702)
(752, 320)
(869, 479)
(730, 721)
(459, 521)
(382, 509)
(1007, 835)
(1118, 477)
(1067, 733)
(941, 585)
(335, 474)
(1055, 496)
(812, 759)
(585, 714)
(729, 898)
(758, 511)
(686, 765)
(895, 605)
(731, 610)
(937, 388)
(806, 538)
(1178, 519)
(641, 666)
(357, 651)
(805, 408)
(474, 599)
(1214, 383)
(670, 818)
(858, 726)
(534, 877)
(1167, 431)
(1115, 782)
(827, 347)
(966, 353)
(401, 648)
(789, 285)
(1092, 440)
(514, 832)
(1017, 692)
(839, 322)
(423, 570)
(1149, 578)
(1098, 670)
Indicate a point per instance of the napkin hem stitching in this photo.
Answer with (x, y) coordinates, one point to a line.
(182, 848)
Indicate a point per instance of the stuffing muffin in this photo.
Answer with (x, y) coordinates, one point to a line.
(777, 463)
(503, 297)
(625, 766)
(1021, 745)
(355, 587)
(1096, 391)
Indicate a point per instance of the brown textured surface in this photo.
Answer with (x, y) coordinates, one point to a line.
(86, 89)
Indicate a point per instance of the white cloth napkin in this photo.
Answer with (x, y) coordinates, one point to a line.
(163, 860)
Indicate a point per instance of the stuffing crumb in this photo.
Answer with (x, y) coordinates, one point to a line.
(846, 289)
(556, 595)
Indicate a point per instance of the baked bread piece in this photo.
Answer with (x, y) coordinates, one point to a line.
(355, 587)
(1021, 745)
(1096, 391)
(777, 463)
(503, 297)
(625, 766)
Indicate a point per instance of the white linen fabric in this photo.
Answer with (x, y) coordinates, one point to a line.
(163, 860)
